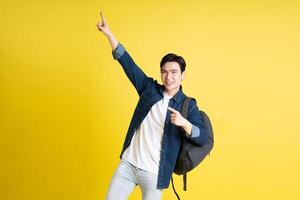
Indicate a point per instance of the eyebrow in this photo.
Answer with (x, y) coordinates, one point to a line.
(172, 70)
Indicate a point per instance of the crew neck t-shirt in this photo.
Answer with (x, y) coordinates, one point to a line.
(144, 149)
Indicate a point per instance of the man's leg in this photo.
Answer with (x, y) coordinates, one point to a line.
(147, 182)
(122, 183)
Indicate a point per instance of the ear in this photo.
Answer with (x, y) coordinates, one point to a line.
(182, 75)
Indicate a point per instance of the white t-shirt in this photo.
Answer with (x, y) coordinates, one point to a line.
(144, 150)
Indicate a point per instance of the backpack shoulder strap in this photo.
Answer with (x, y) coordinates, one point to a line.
(185, 107)
(184, 113)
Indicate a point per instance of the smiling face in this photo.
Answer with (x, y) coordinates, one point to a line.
(171, 77)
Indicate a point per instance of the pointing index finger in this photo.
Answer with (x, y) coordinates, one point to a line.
(172, 110)
(102, 17)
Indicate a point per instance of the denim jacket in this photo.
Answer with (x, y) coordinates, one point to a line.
(150, 92)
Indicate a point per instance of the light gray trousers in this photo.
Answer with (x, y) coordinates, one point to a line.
(127, 177)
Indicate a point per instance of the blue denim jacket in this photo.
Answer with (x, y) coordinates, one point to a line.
(150, 92)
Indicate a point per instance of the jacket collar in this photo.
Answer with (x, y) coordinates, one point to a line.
(178, 97)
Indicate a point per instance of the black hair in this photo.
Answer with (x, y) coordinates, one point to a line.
(171, 57)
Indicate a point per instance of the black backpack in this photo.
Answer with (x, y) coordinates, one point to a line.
(190, 154)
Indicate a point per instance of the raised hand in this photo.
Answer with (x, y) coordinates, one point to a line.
(103, 26)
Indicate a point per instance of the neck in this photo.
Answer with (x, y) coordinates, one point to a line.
(172, 92)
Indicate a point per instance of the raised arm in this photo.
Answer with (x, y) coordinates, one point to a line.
(132, 70)
(103, 27)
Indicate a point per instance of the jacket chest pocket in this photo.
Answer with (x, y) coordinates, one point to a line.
(147, 100)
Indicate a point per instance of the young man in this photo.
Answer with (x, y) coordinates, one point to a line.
(153, 139)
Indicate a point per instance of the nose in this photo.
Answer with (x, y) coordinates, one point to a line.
(168, 76)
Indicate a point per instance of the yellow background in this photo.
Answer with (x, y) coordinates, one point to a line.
(66, 105)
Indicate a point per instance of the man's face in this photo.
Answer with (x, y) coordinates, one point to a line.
(171, 77)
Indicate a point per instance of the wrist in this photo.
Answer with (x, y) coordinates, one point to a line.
(109, 35)
(187, 127)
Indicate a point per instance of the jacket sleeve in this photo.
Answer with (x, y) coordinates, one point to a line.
(134, 73)
(199, 131)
